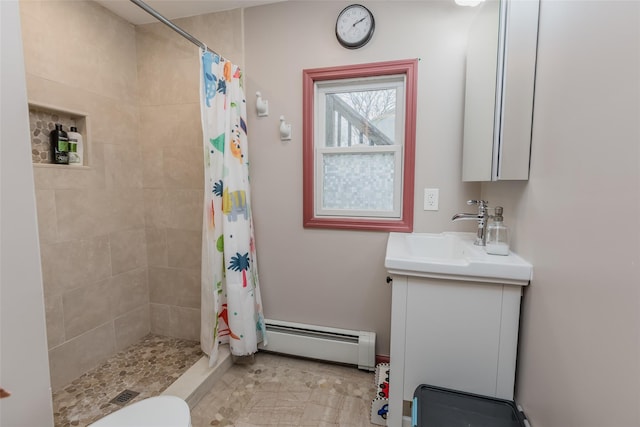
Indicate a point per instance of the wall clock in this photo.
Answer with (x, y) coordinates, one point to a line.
(354, 26)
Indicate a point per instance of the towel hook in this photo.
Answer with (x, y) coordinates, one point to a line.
(262, 106)
(285, 130)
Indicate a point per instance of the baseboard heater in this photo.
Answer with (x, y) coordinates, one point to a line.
(322, 343)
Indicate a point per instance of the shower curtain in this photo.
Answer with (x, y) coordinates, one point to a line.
(231, 304)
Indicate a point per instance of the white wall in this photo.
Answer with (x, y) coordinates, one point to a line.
(578, 220)
(24, 367)
(329, 277)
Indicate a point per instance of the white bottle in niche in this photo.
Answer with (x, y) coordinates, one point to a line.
(76, 149)
(497, 235)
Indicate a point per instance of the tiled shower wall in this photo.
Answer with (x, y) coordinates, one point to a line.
(91, 221)
(120, 240)
(171, 143)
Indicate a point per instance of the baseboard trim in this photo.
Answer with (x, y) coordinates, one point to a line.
(381, 358)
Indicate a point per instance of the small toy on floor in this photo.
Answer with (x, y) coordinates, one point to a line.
(380, 405)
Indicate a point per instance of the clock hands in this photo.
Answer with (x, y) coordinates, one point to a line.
(359, 21)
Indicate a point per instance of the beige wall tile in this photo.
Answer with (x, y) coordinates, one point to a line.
(156, 41)
(94, 213)
(223, 31)
(156, 211)
(128, 291)
(174, 125)
(184, 248)
(114, 121)
(126, 209)
(160, 315)
(171, 81)
(128, 250)
(73, 358)
(98, 35)
(183, 167)
(161, 285)
(123, 166)
(185, 323)
(82, 213)
(107, 200)
(174, 286)
(54, 319)
(85, 308)
(181, 209)
(152, 167)
(156, 247)
(159, 83)
(64, 177)
(38, 40)
(187, 289)
(185, 209)
(131, 327)
(47, 220)
(75, 263)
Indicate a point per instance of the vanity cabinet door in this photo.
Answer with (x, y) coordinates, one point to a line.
(453, 335)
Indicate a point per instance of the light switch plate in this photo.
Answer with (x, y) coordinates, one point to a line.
(431, 199)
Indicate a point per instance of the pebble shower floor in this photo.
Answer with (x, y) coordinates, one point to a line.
(273, 391)
(147, 367)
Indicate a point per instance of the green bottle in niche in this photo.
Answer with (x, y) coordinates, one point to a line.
(59, 146)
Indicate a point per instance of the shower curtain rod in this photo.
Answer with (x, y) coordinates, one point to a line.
(151, 11)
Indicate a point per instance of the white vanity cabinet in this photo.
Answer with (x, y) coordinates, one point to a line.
(455, 313)
(456, 334)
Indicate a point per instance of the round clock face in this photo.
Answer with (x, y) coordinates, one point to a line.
(354, 26)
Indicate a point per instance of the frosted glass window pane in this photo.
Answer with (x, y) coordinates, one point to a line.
(358, 181)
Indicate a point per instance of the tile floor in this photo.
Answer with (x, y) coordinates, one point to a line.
(283, 391)
(147, 367)
(274, 390)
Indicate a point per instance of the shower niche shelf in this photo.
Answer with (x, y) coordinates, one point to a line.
(42, 120)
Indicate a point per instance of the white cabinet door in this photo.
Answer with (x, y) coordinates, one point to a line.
(453, 335)
(456, 334)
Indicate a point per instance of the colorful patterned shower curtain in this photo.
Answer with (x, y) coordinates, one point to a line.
(231, 304)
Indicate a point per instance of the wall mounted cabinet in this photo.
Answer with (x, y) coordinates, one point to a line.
(500, 77)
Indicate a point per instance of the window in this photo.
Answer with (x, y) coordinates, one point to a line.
(359, 146)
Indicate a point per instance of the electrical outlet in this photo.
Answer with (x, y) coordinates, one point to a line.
(431, 199)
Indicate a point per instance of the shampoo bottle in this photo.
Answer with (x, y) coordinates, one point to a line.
(59, 146)
(76, 152)
(497, 235)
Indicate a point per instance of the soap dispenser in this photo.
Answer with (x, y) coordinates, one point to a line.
(497, 235)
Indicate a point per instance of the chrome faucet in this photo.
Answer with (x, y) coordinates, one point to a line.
(482, 217)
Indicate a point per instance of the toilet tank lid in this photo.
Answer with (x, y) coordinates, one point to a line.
(158, 411)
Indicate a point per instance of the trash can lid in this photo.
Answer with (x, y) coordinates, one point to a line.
(441, 407)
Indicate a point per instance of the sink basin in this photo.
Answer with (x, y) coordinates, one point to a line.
(452, 255)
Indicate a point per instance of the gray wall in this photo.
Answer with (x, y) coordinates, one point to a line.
(578, 220)
(329, 277)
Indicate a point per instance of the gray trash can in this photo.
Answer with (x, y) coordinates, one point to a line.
(441, 407)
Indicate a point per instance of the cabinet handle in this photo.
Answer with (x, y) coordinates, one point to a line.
(389, 279)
